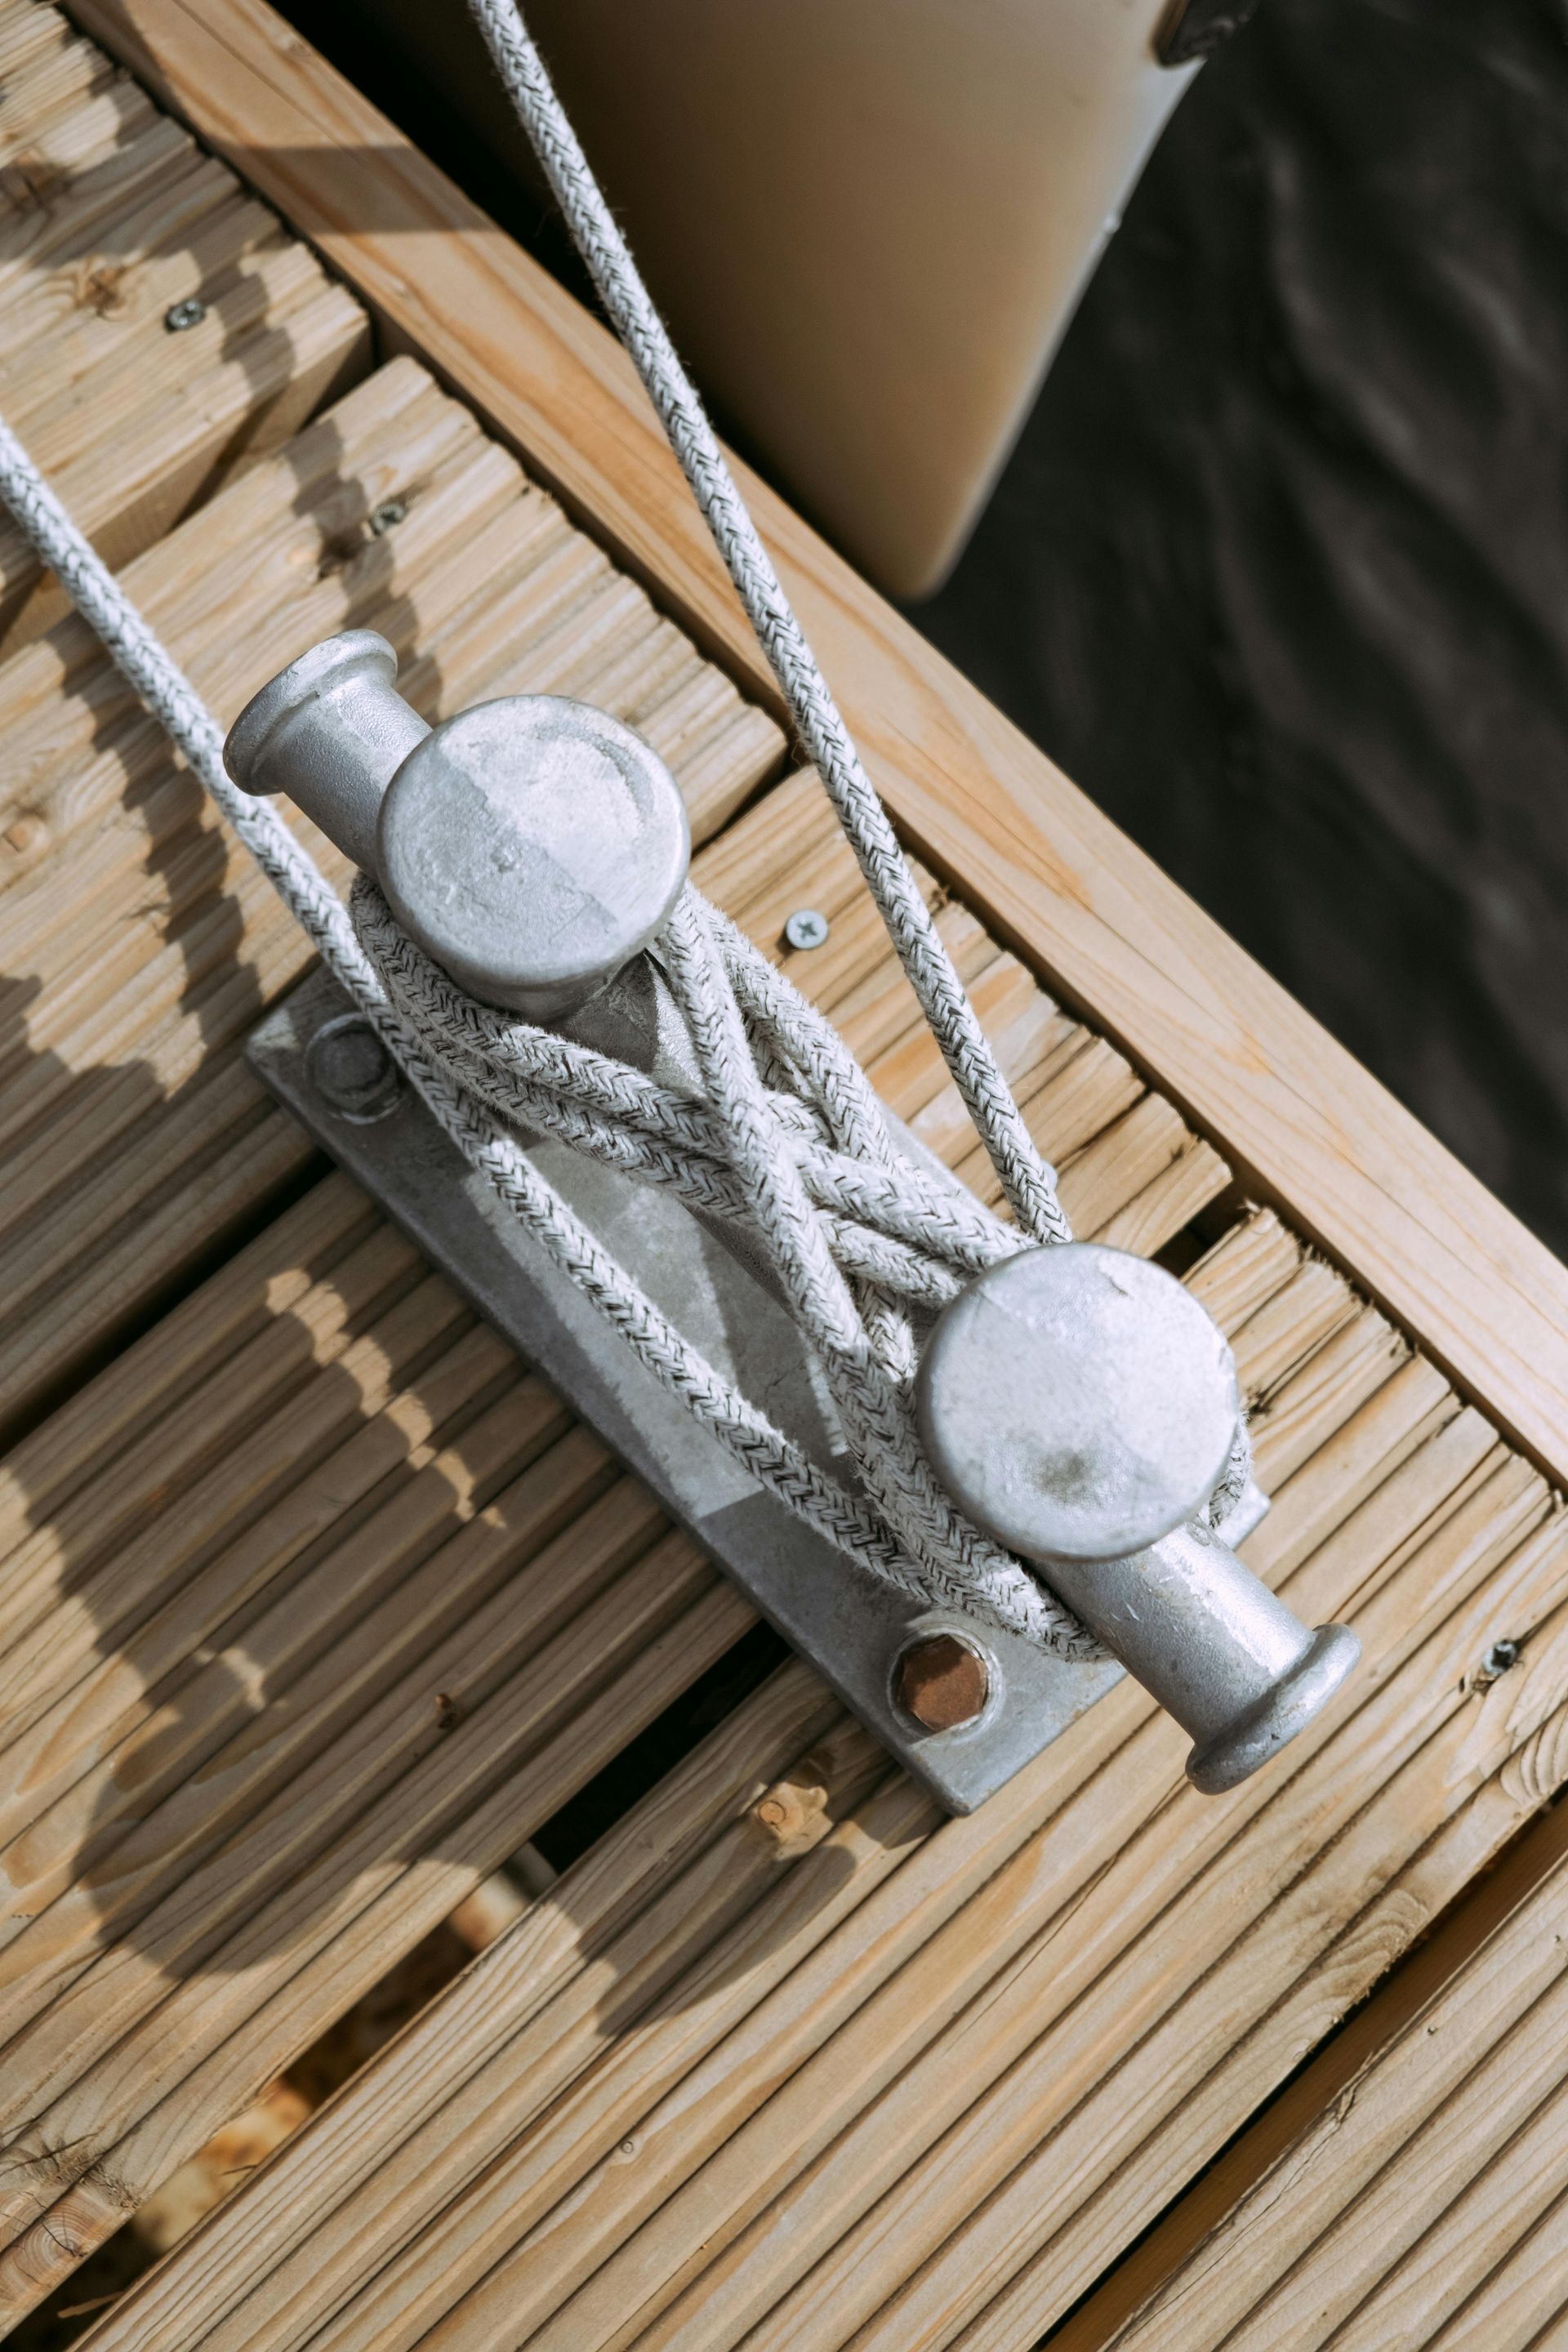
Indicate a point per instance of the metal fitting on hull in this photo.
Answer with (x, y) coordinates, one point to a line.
(1080, 1404)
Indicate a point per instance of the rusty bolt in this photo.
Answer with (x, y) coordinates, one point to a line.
(941, 1682)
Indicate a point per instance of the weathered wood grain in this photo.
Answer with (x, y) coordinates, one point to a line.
(83, 1798)
(929, 2144)
(440, 2151)
(1413, 2204)
(296, 1564)
(133, 1597)
(132, 422)
(761, 1772)
(133, 1139)
(391, 1900)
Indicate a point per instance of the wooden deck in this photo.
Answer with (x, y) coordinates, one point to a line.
(316, 1607)
(1411, 2188)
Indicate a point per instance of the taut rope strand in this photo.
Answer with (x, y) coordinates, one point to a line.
(1025, 1179)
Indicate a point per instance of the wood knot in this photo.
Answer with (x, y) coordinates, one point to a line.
(29, 182)
(793, 1815)
(101, 286)
(26, 838)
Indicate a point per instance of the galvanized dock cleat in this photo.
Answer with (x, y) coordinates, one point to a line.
(1080, 1405)
(1078, 1402)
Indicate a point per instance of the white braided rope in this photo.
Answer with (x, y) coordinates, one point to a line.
(919, 1545)
(1025, 1179)
(890, 1225)
(854, 1236)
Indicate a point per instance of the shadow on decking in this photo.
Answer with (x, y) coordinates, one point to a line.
(163, 1695)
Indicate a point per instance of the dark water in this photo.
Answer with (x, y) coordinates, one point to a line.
(1279, 571)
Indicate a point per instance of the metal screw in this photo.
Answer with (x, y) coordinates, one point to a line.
(792, 1813)
(351, 1069)
(389, 512)
(807, 929)
(1497, 1660)
(941, 1682)
(188, 313)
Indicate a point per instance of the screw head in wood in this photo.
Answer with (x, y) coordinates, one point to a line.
(807, 929)
(182, 316)
(941, 1682)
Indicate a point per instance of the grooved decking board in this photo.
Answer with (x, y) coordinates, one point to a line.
(223, 1718)
(1423, 2199)
(1301, 1122)
(313, 1605)
(688, 2127)
(108, 217)
(132, 1136)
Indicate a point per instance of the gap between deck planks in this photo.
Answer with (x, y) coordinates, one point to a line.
(98, 1711)
(925, 1964)
(1315, 1305)
(239, 1545)
(1411, 2186)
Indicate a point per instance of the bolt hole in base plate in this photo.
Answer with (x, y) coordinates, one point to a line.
(853, 1631)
